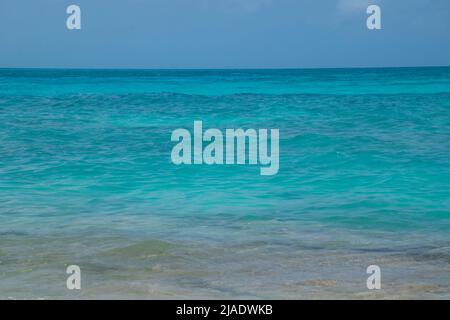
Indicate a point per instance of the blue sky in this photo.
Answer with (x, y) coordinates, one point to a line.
(224, 34)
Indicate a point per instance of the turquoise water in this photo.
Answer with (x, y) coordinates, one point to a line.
(87, 179)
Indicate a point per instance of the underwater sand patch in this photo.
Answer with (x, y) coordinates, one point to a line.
(426, 288)
(142, 249)
(320, 283)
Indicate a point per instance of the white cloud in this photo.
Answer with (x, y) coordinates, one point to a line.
(242, 5)
(351, 6)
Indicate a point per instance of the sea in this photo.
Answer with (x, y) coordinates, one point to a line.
(86, 179)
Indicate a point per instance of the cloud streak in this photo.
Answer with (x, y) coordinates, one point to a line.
(352, 6)
(242, 5)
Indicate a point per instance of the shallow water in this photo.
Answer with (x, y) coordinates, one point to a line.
(86, 179)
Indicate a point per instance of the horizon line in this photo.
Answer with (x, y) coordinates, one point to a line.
(222, 68)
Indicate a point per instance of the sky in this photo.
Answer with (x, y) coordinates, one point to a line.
(224, 34)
